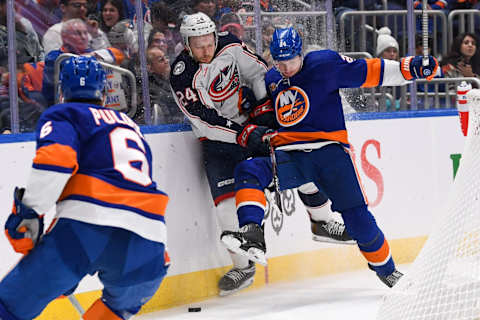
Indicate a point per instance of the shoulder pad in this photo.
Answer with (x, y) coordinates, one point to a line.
(226, 39)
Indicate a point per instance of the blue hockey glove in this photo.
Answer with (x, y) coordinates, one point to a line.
(412, 67)
(252, 138)
(24, 226)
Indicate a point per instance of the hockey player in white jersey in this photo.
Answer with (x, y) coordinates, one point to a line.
(219, 85)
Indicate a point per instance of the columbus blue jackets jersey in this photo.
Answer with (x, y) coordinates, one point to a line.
(95, 163)
(209, 95)
(308, 105)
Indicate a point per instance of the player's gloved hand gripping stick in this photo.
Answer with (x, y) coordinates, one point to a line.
(24, 225)
(24, 229)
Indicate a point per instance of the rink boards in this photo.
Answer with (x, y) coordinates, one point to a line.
(404, 160)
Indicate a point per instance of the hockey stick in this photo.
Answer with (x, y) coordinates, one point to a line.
(76, 304)
(276, 183)
(425, 33)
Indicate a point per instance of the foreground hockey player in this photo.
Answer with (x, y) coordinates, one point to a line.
(219, 85)
(312, 143)
(95, 163)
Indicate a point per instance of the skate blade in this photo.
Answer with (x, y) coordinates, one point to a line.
(330, 240)
(254, 254)
(246, 284)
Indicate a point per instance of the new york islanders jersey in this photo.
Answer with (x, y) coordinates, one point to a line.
(95, 163)
(208, 94)
(308, 105)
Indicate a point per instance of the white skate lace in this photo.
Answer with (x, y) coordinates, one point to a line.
(334, 227)
(236, 275)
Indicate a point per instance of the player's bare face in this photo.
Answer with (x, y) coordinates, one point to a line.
(203, 47)
(289, 68)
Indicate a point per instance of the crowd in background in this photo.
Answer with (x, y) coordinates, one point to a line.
(107, 29)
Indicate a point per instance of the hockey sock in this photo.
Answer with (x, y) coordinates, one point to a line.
(361, 226)
(228, 220)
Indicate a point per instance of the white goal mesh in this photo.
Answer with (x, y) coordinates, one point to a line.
(443, 283)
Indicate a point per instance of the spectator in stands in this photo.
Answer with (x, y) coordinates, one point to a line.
(111, 13)
(208, 7)
(130, 12)
(432, 4)
(387, 48)
(74, 35)
(72, 9)
(157, 39)
(161, 95)
(28, 50)
(463, 60)
(165, 20)
(41, 13)
(267, 33)
(419, 45)
(463, 4)
(28, 45)
(232, 23)
(227, 6)
(122, 37)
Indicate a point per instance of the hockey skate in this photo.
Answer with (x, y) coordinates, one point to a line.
(236, 279)
(249, 241)
(331, 231)
(391, 279)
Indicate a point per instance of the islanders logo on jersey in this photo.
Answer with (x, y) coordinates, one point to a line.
(225, 84)
(292, 106)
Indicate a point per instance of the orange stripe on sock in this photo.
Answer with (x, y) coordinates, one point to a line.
(378, 256)
(98, 311)
(95, 188)
(374, 68)
(250, 195)
(57, 155)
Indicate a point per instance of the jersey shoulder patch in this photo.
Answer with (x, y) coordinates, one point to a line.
(178, 68)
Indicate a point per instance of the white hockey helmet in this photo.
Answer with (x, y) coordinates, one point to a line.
(197, 24)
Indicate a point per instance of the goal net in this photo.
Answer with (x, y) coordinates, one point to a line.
(443, 283)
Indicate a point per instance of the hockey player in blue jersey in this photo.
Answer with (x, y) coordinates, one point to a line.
(312, 143)
(95, 164)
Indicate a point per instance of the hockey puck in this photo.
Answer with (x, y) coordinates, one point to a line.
(194, 309)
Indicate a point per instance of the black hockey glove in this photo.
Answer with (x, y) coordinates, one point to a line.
(263, 114)
(252, 138)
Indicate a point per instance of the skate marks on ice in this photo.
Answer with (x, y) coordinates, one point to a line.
(353, 295)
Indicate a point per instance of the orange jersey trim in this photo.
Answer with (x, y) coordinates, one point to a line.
(379, 255)
(374, 69)
(57, 155)
(283, 138)
(250, 195)
(88, 186)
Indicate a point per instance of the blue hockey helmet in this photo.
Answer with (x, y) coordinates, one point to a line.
(286, 44)
(82, 78)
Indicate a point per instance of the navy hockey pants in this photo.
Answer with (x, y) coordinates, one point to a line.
(130, 267)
